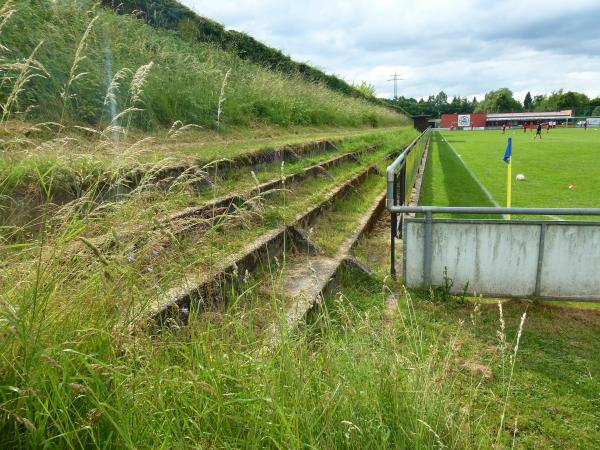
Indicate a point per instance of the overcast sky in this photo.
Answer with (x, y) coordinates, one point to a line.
(465, 47)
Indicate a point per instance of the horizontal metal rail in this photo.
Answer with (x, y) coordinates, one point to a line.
(394, 169)
(495, 210)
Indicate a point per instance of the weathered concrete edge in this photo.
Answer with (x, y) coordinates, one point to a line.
(204, 288)
(328, 280)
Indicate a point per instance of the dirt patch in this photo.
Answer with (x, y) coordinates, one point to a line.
(391, 307)
(587, 316)
(474, 368)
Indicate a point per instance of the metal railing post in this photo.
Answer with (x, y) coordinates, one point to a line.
(427, 249)
(402, 198)
(396, 173)
(393, 230)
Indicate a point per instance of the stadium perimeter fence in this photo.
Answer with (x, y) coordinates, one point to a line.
(401, 178)
(546, 259)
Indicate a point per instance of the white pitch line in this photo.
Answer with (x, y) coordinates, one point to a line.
(470, 172)
(483, 188)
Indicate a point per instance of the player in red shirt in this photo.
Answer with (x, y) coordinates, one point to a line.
(524, 127)
(585, 125)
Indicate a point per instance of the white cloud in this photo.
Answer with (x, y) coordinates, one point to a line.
(464, 48)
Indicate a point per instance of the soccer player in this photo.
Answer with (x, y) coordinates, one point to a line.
(585, 125)
(548, 127)
(524, 127)
(503, 128)
(538, 131)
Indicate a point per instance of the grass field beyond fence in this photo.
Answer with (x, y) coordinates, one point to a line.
(561, 170)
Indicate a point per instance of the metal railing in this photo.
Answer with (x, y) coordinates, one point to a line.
(429, 210)
(401, 176)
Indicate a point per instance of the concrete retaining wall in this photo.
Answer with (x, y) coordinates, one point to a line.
(558, 260)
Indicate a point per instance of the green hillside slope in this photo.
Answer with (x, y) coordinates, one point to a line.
(81, 63)
(172, 15)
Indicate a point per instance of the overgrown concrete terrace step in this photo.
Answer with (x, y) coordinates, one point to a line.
(110, 185)
(307, 279)
(250, 160)
(227, 200)
(200, 290)
(164, 175)
(198, 215)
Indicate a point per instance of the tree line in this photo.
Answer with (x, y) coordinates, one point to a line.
(500, 101)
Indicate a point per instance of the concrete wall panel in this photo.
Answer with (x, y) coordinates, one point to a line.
(571, 263)
(492, 258)
(413, 254)
(503, 258)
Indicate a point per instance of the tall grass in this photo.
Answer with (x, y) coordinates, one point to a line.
(72, 372)
(73, 376)
(74, 63)
(84, 45)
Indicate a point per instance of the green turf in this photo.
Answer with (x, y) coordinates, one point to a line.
(563, 157)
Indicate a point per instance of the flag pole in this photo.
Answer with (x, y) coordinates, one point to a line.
(508, 160)
(509, 185)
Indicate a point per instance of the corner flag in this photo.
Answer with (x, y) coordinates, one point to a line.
(508, 160)
(508, 152)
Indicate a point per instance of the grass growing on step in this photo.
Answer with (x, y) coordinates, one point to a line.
(334, 227)
(85, 182)
(129, 280)
(374, 249)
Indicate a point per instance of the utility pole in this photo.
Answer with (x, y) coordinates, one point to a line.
(395, 78)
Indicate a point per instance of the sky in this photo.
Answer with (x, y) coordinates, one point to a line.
(464, 48)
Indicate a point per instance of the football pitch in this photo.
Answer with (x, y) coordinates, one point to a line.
(562, 170)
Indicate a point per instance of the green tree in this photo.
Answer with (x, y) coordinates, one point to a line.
(366, 88)
(596, 111)
(559, 100)
(455, 105)
(441, 99)
(528, 102)
(537, 101)
(501, 100)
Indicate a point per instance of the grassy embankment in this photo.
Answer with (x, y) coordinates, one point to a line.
(113, 93)
(90, 66)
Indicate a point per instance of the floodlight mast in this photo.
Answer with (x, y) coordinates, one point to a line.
(395, 78)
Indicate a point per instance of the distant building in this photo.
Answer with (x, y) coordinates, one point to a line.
(421, 123)
(464, 121)
(518, 119)
(483, 120)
